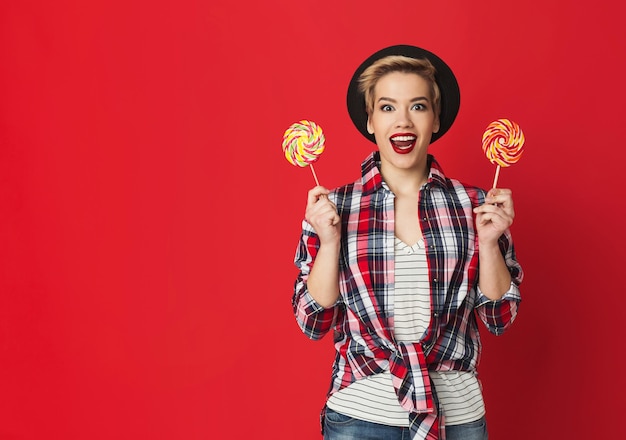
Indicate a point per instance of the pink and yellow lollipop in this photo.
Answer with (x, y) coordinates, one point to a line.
(503, 143)
(303, 142)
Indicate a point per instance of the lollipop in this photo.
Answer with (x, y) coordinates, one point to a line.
(303, 142)
(503, 143)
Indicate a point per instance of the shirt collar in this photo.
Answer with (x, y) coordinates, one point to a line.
(372, 180)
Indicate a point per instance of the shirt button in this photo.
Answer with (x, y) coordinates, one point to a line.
(434, 280)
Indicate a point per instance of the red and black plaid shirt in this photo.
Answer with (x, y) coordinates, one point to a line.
(362, 318)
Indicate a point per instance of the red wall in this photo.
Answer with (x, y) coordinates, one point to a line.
(148, 220)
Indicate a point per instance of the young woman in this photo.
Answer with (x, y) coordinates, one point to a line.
(400, 263)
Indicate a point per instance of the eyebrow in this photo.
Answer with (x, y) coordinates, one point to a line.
(419, 98)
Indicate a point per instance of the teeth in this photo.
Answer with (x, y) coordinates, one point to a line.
(403, 138)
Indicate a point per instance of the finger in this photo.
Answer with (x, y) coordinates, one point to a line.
(495, 212)
(503, 208)
(501, 204)
(333, 218)
(322, 213)
(498, 191)
(315, 194)
(499, 196)
(323, 222)
(487, 208)
(321, 205)
(322, 208)
(497, 217)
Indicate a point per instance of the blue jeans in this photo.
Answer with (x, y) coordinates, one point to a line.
(340, 427)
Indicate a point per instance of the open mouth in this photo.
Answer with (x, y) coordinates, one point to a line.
(403, 143)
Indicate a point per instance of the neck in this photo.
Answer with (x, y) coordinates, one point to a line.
(407, 181)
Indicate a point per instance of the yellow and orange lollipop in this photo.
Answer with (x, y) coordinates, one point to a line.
(303, 142)
(503, 143)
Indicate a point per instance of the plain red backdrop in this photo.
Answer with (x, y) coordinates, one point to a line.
(148, 220)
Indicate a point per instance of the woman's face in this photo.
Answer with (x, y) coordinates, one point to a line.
(403, 120)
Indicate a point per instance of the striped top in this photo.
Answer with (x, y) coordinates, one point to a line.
(373, 398)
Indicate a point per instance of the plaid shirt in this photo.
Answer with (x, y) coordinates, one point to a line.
(362, 318)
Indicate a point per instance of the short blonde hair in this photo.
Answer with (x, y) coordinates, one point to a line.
(398, 63)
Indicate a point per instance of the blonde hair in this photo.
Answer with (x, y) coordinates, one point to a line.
(398, 63)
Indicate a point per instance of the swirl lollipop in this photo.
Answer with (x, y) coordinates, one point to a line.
(503, 143)
(303, 142)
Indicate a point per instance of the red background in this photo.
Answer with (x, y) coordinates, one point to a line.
(149, 220)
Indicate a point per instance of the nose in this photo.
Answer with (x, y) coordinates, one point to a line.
(403, 119)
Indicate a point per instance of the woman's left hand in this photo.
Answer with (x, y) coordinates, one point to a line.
(495, 215)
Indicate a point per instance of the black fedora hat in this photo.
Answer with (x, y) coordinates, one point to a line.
(448, 86)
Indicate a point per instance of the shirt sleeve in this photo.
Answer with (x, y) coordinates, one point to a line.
(499, 315)
(314, 320)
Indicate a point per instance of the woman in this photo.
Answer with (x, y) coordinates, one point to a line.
(391, 263)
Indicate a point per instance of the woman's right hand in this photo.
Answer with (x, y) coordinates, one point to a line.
(321, 213)
(323, 281)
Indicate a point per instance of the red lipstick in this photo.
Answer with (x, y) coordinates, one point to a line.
(403, 143)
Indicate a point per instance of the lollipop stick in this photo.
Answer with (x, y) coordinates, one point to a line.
(495, 180)
(314, 175)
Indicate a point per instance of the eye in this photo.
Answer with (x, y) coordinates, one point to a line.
(419, 107)
(386, 108)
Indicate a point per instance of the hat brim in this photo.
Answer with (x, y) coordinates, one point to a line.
(448, 86)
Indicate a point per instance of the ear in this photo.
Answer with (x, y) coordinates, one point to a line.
(370, 129)
(436, 124)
